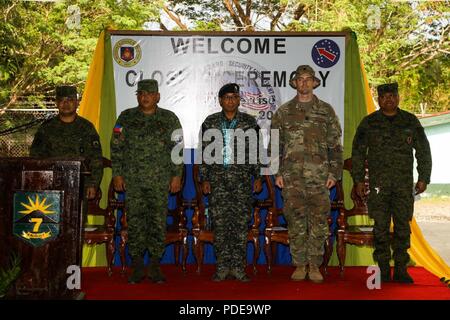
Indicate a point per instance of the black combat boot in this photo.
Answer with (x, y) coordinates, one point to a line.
(138, 270)
(239, 274)
(155, 273)
(221, 274)
(401, 274)
(385, 271)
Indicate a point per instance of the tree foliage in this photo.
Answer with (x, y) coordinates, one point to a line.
(42, 44)
(399, 41)
(49, 43)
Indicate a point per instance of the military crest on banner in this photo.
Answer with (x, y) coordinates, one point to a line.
(127, 52)
(37, 216)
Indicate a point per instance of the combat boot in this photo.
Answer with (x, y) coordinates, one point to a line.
(385, 271)
(314, 274)
(221, 274)
(401, 274)
(239, 275)
(300, 273)
(138, 271)
(155, 273)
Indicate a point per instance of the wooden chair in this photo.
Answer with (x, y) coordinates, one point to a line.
(99, 233)
(353, 234)
(276, 233)
(176, 232)
(203, 234)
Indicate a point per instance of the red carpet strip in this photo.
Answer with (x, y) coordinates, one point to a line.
(276, 286)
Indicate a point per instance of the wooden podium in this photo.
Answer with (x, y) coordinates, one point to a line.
(41, 221)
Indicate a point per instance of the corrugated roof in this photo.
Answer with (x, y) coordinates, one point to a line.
(435, 119)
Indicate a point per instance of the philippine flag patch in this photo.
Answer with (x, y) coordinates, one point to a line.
(117, 129)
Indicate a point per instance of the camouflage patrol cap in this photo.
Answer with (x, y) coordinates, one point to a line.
(388, 87)
(147, 85)
(229, 88)
(66, 91)
(302, 70)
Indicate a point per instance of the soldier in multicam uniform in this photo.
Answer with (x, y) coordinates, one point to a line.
(309, 165)
(141, 148)
(69, 135)
(386, 139)
(229, 184)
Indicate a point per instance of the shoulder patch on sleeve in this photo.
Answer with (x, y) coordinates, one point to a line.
(118, 128)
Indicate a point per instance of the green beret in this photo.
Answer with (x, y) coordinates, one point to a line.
(388, 87)
(66, 91)
(147, 85)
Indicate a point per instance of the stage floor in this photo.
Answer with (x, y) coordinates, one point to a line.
(276, 286)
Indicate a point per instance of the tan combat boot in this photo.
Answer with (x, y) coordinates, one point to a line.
(314, 274)
(299, 273)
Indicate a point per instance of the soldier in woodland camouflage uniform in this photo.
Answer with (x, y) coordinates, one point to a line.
(229, 183)
(141, 148)
(310, 163)
(69, 135)
(386, 139)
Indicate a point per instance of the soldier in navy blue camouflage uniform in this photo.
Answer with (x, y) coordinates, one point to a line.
(229, 185)
(386, 139)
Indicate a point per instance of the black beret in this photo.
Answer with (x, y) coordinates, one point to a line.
(228, 88)
(388, 87)
(66, 91)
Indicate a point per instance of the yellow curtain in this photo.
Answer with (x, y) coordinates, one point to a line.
(94, 255)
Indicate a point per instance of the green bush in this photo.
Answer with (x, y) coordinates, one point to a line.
(9, 275)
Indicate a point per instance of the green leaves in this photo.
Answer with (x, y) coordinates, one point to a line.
(49, 43)
(9, 275)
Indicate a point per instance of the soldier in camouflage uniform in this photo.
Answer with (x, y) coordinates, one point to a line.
(229, 183)
(386, 139)
(141, 163)
(69, 135)
(309, 165)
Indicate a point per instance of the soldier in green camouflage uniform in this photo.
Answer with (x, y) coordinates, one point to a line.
(69, 135)
(386, 139)
(141, 148)
(229, 183)
(310, 163)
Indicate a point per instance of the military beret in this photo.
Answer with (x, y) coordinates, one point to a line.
(228, 88)
(147, 85)
(302, 70)
(66, 91)
(388, 87)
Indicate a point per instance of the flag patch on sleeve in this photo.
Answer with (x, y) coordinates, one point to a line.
(118, 129)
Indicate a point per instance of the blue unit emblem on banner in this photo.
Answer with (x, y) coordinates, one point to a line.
(127, 53)
(325, 53)
(37, 216)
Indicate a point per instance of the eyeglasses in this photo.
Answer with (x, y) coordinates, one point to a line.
(229, 98)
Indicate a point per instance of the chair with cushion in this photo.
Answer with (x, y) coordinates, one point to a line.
(276, 232)
(104, 231)
(354, 233)
(202, 230)
(176, 231)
